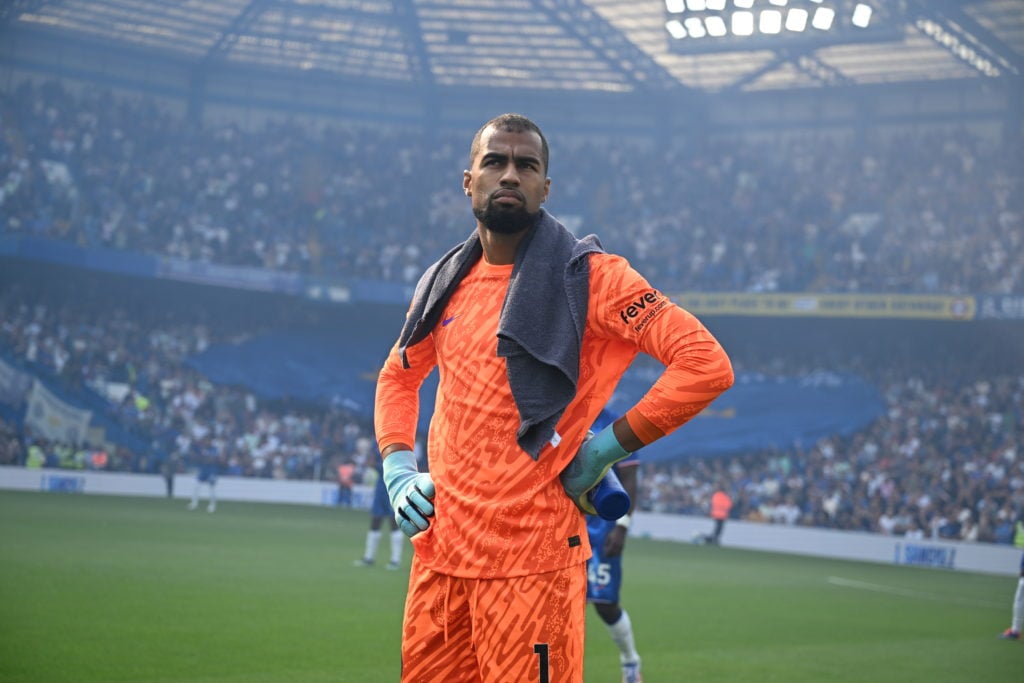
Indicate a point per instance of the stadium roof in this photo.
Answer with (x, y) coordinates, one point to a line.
(558, 45)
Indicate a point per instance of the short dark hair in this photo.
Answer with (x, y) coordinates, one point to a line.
(510, 123)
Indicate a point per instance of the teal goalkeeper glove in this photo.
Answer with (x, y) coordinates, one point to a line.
(410, 491)
(588, 467)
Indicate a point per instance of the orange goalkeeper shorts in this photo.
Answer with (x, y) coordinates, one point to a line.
(525, 629)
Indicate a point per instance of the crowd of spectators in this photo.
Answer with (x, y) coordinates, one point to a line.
(381, 203)
(138, 369)
(11, 451)
(926, 212)
(943, 462)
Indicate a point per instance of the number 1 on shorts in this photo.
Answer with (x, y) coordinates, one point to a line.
(542, 654)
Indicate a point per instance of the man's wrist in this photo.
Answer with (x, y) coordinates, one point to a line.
(398, 462)
(391, 448)
(607, 445)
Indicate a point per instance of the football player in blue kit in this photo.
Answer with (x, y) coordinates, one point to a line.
(207, 456)
(604, 569)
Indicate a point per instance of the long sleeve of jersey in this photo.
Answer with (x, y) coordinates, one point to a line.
(697, 368)
(397, 402)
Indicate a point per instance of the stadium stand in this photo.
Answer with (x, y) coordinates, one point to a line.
(936, 212)
(943, 461)
(124, 354)
(850, 209)
(942, 458)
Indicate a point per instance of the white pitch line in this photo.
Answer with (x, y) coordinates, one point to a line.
(908, 593)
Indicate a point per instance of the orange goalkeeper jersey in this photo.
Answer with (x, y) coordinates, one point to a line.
(499, 513)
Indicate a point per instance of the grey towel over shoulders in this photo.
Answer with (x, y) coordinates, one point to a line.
(542, 319)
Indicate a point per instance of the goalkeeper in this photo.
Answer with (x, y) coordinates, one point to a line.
(530, 330)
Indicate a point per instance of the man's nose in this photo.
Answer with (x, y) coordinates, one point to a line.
(510, 175)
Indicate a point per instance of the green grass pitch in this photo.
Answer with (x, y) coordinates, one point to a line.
(112, 590)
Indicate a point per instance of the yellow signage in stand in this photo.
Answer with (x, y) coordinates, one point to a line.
(907, 306)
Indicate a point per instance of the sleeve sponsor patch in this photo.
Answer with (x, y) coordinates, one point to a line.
(641, 310)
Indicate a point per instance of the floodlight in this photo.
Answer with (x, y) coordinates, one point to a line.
(743, 4)
(780, 3)
(716, 26)
(823, 17)
(861, 15)
(743, 23)
(696, 5)
(675, 6)
(716, 5)
(770, 21)
(695, 28)
(796, 19)
(675, 29)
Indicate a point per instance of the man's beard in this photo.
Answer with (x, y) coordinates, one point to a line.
(506, 221)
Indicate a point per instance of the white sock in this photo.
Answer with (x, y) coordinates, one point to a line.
(372, 541)
(195, 495)
(213, 496)
(397, 539)
(1018, 606)
(622, 633)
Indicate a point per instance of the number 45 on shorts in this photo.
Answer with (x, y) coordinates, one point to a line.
(599, 574)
